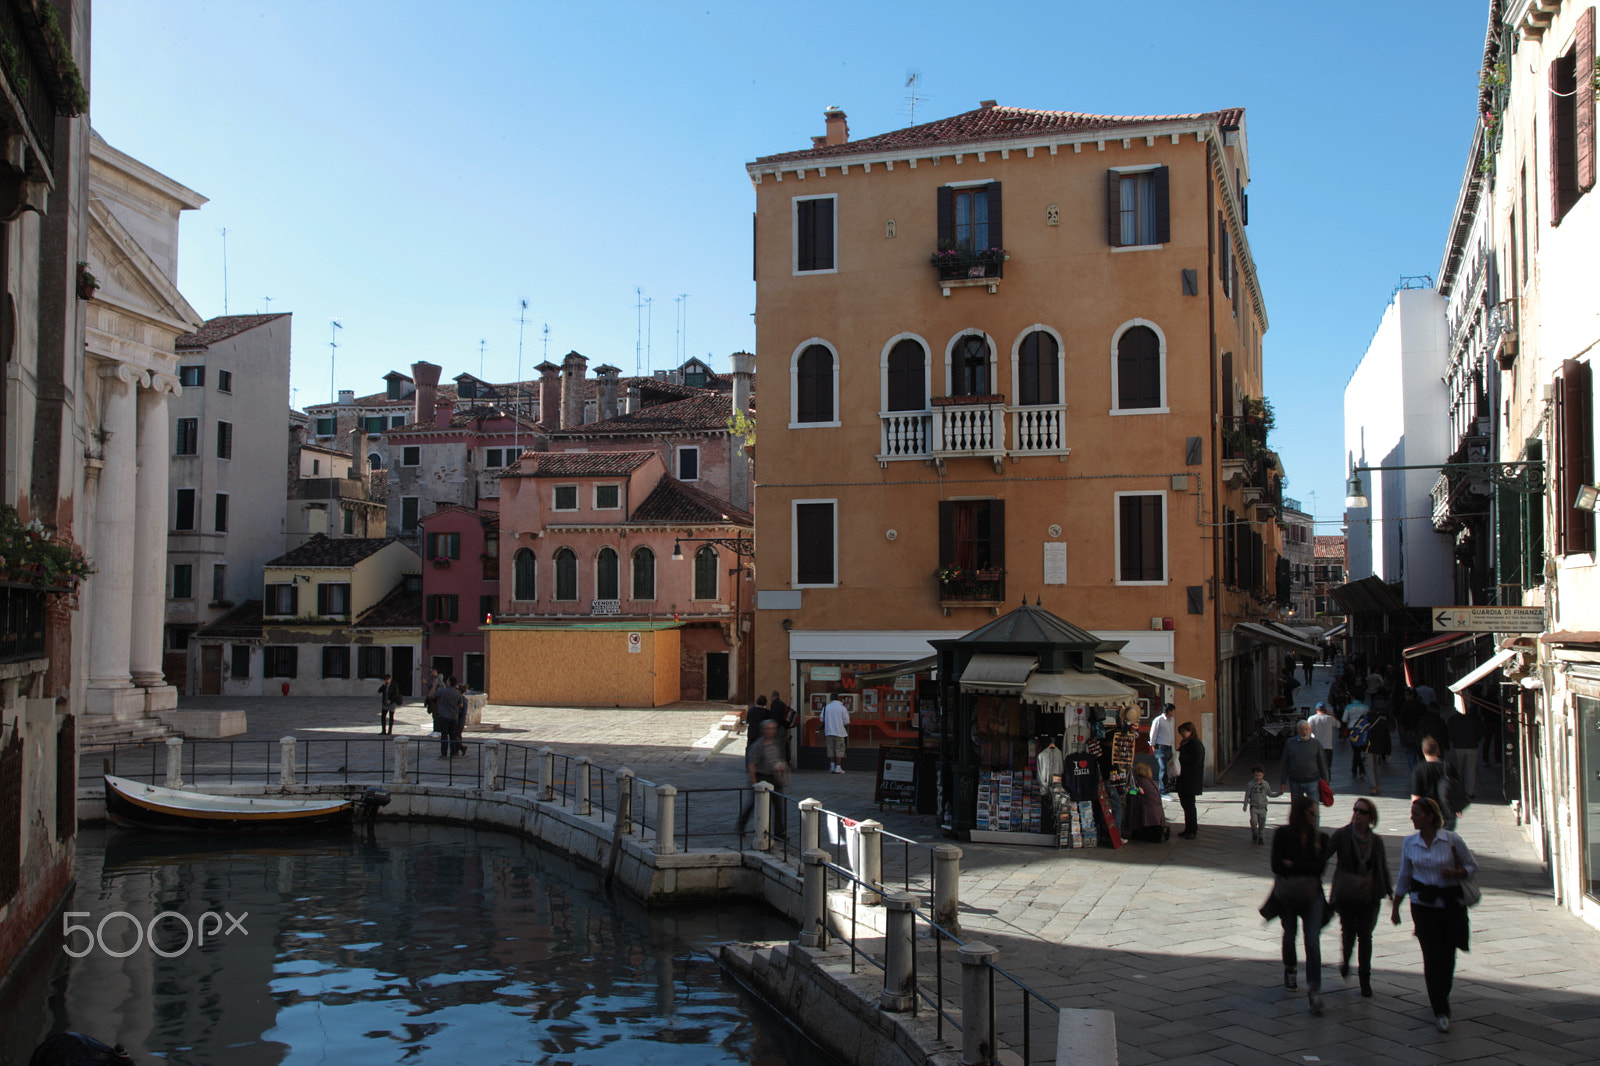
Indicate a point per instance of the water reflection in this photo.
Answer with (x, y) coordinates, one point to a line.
(416, 944)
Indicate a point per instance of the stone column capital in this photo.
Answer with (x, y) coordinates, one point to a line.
(125, 373)
(164, 384)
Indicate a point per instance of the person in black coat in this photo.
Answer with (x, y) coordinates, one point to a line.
(1300, 852)
(1192, 756)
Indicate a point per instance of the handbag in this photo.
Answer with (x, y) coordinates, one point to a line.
(1470, 892)
(1174, 767)
(1351, 889)
(1325, 792)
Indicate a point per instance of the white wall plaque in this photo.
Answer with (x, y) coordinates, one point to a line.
(1055, 562)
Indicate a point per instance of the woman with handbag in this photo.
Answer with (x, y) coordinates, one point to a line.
(1191, 756)
(1439, 873)
(1360, 883)
(1300, 852)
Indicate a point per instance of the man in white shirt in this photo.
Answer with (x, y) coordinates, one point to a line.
(1325, 727)
(836, 726)
(1162, 734)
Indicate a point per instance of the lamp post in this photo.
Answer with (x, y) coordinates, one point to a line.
(1526, 477)
(744, 547)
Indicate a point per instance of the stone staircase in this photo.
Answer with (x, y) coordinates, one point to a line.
(101, 731)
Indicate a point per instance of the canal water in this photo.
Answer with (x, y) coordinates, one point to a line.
(401, 943)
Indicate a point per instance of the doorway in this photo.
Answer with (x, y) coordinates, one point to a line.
(445, 664)
(717, 676)
(400, 667)
(211, 669)
(474, 668)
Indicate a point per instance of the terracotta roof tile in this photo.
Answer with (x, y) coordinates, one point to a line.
(241, 623)
(990, 124)
(673, 501)
(577, 464)
(320, 551)
(704, 411)
(222, 327)
(398, 610)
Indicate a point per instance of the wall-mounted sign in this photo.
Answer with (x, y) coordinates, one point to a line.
(824, 673)
(1487, 619)
(605, 607)
(635, 643)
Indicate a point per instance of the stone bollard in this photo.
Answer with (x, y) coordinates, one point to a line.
(763, 804)
(666, 819)
(174, 762)
(286, 760)
(809, 819)
(625, 801)
(547, 775)
(581, 800)
(947, 887)
(977, 1008)
(871, 861)
(814, 933)
(402, 760)
(899, 975)
(491, 765)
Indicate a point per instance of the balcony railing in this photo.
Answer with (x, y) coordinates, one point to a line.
(969, 426)
(1039, 430)
(906, 435)
(972, 588)
(22, 626)
(972, 429)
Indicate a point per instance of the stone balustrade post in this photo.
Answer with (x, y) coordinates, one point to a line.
(947, 887)
(814, 933)
(625, 801)
(899, 977)
(547, 775)
(977, 1006)
(809, 818)
(581, 801)
(286, 760)
(871, 861)
(402, 760)
(491, 765)
(174, 762)
(666, 820)
(762, 799)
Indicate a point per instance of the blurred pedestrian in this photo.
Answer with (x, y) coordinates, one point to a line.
(1300, 853)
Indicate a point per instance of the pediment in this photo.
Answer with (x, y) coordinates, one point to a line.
(129, 278)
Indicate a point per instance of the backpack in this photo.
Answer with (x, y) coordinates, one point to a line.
(1360, 732)
(1452, 793)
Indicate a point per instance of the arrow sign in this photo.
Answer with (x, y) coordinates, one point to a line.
(1488, 619)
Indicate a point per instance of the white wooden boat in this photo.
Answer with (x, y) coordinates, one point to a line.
(134, 803)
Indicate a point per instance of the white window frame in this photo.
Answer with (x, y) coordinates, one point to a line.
(500, 456)
(1116, 539)
(1161, 343)
(404, 448)
(716, 575)
(655, 574)
(1142, 168)
(1061, 366)
(794, 545)
(534, 560)
(794, 234)
(883, 373)
(949, 354)
(677, 461)
(794, 386)
(555, 576)
(555, 504)
(598, 506)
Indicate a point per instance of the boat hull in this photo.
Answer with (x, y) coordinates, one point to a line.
(133, 805)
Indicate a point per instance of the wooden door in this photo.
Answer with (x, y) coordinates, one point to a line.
(211, 670)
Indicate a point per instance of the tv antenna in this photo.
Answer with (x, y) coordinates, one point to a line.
(481, 343)
(334, 326)
(268, 311)
(913, 98)
(516, 412)
(638, 330)
(224, 232)
(680, 351)
(547, 342)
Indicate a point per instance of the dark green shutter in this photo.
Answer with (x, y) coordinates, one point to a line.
(1163, 198)
(946, 217)
(1113, 208)
(995, 238)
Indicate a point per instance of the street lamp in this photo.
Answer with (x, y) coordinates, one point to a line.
(1524, 477)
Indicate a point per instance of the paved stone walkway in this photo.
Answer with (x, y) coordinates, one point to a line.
(1167, 936)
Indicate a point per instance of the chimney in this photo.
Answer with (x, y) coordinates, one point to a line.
(573, 372)
(443, 408)
(549, 395)
(347, 395)
(984, 105)
(358, 453)
(838, 129)
(426, 376)
(744, 372)
(608, 390)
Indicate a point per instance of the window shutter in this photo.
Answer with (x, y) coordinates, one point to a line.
(755, 247)
(1113, 208)
(1227, 384)
(805, 248)
(1129, 546)
(822, 234)
(995, 238)
(997, 534)
(947, 217)
(1574, 420)
(1197, 598)
(1163, 222)
(294, 599)
(947, 533)
(1222, 251)
(1584, 102)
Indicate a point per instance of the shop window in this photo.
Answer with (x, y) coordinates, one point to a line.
(969, 366)
(240, 667)
(905, 384)
(566, 575)
(335, 662)
(1141, 538)
(1138, 369)
(814, 234)
(522, 574)
(1038, 369)
(814, 385)
(606, 582)
(705, 573)
(644, 574)
(815, 543)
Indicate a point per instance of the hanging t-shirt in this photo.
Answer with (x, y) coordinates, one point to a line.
(1082, 777)
(1049, 765)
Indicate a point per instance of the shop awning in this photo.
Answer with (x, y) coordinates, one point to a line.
(1272, 636)
(1073, 687)
(1338, 630)
(999, 675)
(1153, 675)
(1439, 643)
(889, 673)
(1483, 670)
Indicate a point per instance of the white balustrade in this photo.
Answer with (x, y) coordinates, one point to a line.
(1039, 430)
(969, 429)
(906, 435)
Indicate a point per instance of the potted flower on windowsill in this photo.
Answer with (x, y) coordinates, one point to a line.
(29, 554)
(441, 563)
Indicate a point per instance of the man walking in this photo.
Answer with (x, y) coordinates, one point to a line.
(1356, 727)
(1325, 727)
(836, 727)
(1436, 780)
(764, 762)
(1466, 733)
(754, 716)
(451, 711)
(430, 696)
(1304, 765)
(1163, 734)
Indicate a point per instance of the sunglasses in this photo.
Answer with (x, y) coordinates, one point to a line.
(1366, 811)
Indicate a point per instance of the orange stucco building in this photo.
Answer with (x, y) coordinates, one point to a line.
(1012, 354)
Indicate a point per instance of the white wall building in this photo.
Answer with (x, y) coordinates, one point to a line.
(1397, 413)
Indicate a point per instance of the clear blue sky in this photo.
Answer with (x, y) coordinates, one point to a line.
(417, 169)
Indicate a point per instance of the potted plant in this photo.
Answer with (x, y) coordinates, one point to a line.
(441, 563)
(29, 554)
(87, 282)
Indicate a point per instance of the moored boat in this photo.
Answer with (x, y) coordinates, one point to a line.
(136, 804)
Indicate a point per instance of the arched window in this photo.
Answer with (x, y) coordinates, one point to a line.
(813, 382)
(907, 379)
(969, 366)
(644, 574)
(1038, 370)
(522, 573)
(605, 575)
(1138, 369)
(374, 461)
(705, 573)
(566, 575)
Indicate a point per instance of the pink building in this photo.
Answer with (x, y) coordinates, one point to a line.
(460, 587)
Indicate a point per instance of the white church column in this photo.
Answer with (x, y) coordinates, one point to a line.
(110, 629)
(150, 542)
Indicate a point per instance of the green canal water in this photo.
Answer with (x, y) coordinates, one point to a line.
(403, 943)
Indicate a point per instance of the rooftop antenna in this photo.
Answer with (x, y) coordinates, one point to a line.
(334, 326)
(649, 329)
(516, 425)
(638, 329)
(547, 342)
(224, 232)
(680, 351)
(268, 311)
(913, 98)
(481, 343)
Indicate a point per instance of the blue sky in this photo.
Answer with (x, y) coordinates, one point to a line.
(417, 169)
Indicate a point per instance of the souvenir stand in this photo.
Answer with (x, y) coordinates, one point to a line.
(1030, 724)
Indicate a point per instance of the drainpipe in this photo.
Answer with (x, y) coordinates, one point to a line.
(1215, 459)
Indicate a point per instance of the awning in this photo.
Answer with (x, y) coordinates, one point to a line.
(1272, 636)
(1338, 630)
(1483, 670)
(1000, 675)
(1439, 643)
(1072, 687)
(1153, 675)
(889, 673)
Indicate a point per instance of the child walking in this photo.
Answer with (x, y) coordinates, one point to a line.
(1256, 794)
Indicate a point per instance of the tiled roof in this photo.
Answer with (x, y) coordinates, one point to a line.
(664, 387)
(320, 551)
(673, 501)
(461, 419)
(704, 411)
(241, 623)
(223, 327)
(989, 124)
(577, 464)
(398, 610)
(1330, 547)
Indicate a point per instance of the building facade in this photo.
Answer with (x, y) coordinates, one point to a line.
(987, 348)
(1299, 554)
(460, 589)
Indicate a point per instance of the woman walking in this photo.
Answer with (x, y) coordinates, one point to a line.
(1300, 852)
(1192, 760)
(1434, 863)
(1360, 882)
